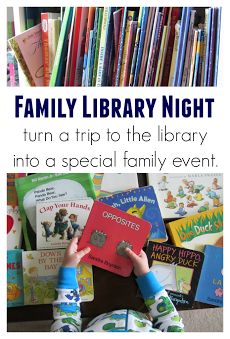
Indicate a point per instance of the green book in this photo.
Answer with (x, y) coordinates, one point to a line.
(57, 76)
(101, 10)
(48, 187)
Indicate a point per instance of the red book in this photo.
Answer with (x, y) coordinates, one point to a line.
(107, 232)
(45, 47)
(78, 13)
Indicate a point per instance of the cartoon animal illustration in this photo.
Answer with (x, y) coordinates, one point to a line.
(166, 275)
(32, 277)
(170, 200)
(163, 183)
(183, 287)
(204, 207)
(69, 232)
(198, 195)
(212, 195)
(137, 212)
(181, 211)
(215, 184)
(189, 185)
(73, 220)
(180, 193)
(190, 202)
(13, 291)
(46, 225)
(61, 223)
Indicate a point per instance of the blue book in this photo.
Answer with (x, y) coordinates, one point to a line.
(212, 48)
(15, 295)
(180, 42)
(210, 287)
(142, 203)
(184, 45)
(197, 60)
(144, 20)
(217, 47)
(121, 47)
(207, 46)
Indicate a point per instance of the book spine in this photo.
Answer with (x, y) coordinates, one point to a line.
(134, 58)
(45, 47)
(75, 45)
(201, 58)
(188, 49)
(198, 47)
(56, 73)
(209, 13)
(165, 48)
(217, 46)
(191, 73)
(87, 70)
(132, 35)
(101, 10)
(69, 53)
(92, 59)
(160, 55)
(212, 48)
(117, 47)
(174, 54)
(121, 45)
(129, 20)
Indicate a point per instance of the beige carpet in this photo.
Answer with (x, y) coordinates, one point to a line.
(204, 320)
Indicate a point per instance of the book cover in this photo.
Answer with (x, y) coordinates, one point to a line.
(198, 230)
(184, 194)
(46, 187)
(58, 222)
(210, 287)
(15, 295)
(40, 275)
(178, 271)
(28, 51)
(14, 228)
(108, 231)
(12, 198)
(142, 203)
(109, 183)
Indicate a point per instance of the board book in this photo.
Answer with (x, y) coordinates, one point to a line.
(14, 278)
(181, 194)
(58, 222)
(108, 232)
(210, 287)
(178, 271)
(14, 228)
(46, 187)
(40, 274)
(196, 231)
(142, 203)
(110, 183)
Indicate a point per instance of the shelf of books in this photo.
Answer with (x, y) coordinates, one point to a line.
(113, 46)
(180, 226)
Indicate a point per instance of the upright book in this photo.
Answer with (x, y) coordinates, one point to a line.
(142, 203)
(14, 278)
(58, 222)
(210, 288)
(108, 232)
(177, 269)
(198, 230)
(14, 228)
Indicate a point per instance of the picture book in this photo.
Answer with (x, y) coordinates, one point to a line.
(58, 222)
(142, 203)
(12, 198)
(108, 232)
(28, 51)
(14, 228)
(40, 274)
(181, 194)
(210, 287)
(178, 271)
(196, 231)
(46, 187)
(14, 278)
(109, 183)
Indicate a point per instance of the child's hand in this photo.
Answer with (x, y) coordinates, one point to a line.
(140, 262)
(72, 257)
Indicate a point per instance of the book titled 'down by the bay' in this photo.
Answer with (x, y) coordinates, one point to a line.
(58, 222)
(108, 232)
(177, 269)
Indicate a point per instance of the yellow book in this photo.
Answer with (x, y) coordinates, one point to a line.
(196, 231)
(174, 55)
(130, 17)
(85, 281)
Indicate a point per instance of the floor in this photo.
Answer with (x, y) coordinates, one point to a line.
(200, 320)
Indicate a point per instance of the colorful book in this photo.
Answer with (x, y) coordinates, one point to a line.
(142, 203)
(174, 53)
(120, 46)
(208, 20)
(46, 187)
(177, 270)
(14, 228)
(198, 230)
(211, 288)
(108, 232)
(109, 183)
(40, 275)
(211, 59)
(184, 194)
(12, 198)
(100, 17)
(27, 47)
(15, 295)
(58, 222)
(217, 46)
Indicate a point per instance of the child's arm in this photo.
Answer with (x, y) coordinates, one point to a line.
(161, 308)
(66, 307)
